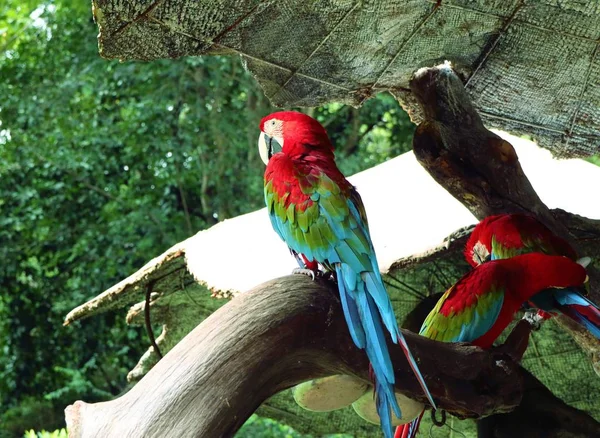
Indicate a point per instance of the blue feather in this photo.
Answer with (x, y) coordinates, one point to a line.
(375, 337)
(382, 403)
(377, 291)
(562, 300)
(364, 299)
(351, 313)
(592, 328)
(568, 297)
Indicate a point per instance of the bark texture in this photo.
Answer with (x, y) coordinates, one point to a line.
(476, 166)
(531, 66)
(282, 333)
(540, 415)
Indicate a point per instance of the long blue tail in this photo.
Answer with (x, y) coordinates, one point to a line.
(570, 303)
(367, 309)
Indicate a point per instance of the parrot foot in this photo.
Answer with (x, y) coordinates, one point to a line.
(534, 319)
(305, 271)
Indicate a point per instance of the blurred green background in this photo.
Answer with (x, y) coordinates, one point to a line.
(104, 165)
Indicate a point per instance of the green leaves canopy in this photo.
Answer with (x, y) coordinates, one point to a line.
(105, 165)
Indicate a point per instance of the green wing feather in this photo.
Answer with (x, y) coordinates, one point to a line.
(467, 311)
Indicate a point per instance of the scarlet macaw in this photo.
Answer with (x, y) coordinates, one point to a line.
(484, 301)
(321, 217)
(507, 235)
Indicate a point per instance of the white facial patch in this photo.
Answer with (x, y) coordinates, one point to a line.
(272, 129)
(584, 261)
(480, 253)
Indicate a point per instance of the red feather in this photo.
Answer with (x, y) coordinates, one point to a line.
(307, 153)
(509, 230)
(519, 277)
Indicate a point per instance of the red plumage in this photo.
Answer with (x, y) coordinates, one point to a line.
(321, 217)
(526, 276)
(516, 231)
(307, 152)
(591, 313)
(519, 278)
(460, 316)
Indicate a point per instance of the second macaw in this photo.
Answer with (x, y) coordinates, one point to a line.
(507, 235)
(483, 302)
(320, 216)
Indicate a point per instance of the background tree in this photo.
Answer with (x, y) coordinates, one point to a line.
(104, 163)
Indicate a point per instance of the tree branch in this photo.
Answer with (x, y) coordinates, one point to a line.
(540, 414)
(475, 165)
(277, 335)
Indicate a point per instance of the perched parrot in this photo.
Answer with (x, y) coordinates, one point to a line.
(484, 301)
(320, 216)
(507, 235)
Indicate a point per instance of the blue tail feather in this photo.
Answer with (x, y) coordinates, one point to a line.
(365, 306)
(376, 289)
(383, 406)
(375, 337)
(351, 312)
(571, 303)
(591, 327)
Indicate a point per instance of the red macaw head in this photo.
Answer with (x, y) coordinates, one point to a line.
(512, 231)
(293, 133)
(479, 246)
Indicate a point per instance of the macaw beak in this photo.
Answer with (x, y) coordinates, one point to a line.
(584, 261)
(267, 147)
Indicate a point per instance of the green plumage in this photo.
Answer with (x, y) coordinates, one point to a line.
(319, 221)
(456, 324)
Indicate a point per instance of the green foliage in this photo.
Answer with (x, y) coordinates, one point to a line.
(595, 160)
(260, 427)
(105, 165)
(31, 412)
(59, 433)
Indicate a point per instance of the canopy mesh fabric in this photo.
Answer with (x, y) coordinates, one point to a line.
(530, 67)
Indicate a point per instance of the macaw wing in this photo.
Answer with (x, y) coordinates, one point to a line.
(522, 234)
(327, 223)
(330, 226)
(320, 221)
(531, 244)
(467, 310)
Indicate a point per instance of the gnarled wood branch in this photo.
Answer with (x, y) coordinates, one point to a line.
(540, 414)
(279, 334)
(479, 168)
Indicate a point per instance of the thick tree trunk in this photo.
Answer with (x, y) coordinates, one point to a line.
(540, 415)
(475, 165)
(281, 333)
(483, 172)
